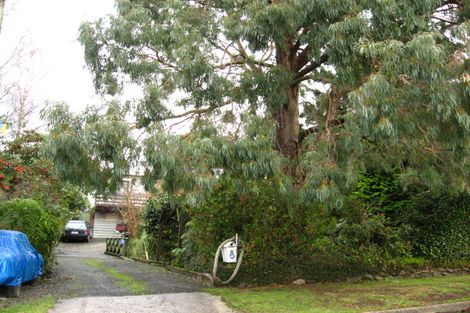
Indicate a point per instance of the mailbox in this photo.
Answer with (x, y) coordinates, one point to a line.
(229, 252)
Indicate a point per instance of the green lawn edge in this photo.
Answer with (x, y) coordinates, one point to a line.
(347, 297)
(41, 305)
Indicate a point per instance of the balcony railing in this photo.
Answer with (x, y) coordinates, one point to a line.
(122, 200)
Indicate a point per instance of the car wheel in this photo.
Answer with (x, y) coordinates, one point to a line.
(13, 291)
(87, 239)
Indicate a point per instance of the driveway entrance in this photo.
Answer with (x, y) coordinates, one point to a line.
(87, 280)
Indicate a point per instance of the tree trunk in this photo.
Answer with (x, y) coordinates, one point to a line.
(287, 115)
(287, 119)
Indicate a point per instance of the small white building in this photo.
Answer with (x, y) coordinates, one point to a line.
(107, 214)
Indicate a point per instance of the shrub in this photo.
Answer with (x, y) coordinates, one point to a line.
(440, 227)
(142, 247)
(42, 228)
(286, 240)
(378, 229)
(161, 225)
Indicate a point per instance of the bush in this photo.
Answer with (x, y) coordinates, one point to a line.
(29, 217)
(378, 229)
(440, 227)
(161, 225)
(142, 247)
(286, 240)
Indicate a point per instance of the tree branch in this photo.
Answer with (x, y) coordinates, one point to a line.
(245, 61)
(444, 20)
(196, 111)
(302, 58)
(313, 65)
(155, 57)
(308, 77)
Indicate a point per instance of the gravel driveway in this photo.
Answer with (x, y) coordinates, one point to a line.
(83, 280)
(79, 283)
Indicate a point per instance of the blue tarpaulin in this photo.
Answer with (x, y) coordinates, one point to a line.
(19, 261)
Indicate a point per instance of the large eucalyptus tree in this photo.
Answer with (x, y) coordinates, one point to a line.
(343, 83)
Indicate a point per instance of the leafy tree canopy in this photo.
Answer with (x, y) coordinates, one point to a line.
(26, 173)
(308, 91)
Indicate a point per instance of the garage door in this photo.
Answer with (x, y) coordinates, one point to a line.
(106, 229)
(105, 224)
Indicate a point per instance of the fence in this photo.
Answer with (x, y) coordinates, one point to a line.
(115, 246)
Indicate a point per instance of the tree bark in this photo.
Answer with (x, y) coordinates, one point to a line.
(287, 119)
(287, 115)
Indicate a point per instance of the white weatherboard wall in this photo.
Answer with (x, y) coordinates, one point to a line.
(105, 224)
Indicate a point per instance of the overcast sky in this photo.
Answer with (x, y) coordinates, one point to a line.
(57, 71)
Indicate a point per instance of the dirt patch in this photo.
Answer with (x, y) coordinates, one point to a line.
(443, 297)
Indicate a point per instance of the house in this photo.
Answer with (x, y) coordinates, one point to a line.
(109, 210)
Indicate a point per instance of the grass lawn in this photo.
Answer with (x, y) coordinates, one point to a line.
(348, 297)
(37, 306)
(123, 280)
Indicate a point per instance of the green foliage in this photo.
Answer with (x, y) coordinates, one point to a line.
(394, 98)
(142, 247)
(26, 173)
(73, 200)
(91, 151)
(42, 228)
(396, 91)
(286, 240)
(161, 224)
(380, 193)
(41, 305)
(439, 227)
(416, 262)
(26, 147)
(186, 165)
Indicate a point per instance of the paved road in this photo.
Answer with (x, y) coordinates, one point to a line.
(195, 302)
(83, 283)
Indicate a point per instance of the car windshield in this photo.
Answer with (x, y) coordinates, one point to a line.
(75, 225)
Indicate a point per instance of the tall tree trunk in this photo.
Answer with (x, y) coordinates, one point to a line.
(287, 119)
(287, 115)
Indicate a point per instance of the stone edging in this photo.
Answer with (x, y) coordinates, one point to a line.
(430, 272)
(438, 308)
(206, 278)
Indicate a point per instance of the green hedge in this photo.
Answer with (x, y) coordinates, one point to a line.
(440, 227)
(285, 240)
(27, 216)
(378, 229)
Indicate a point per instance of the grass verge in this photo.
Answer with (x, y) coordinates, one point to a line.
(37, 306)
(348, 297)
(123, 280)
